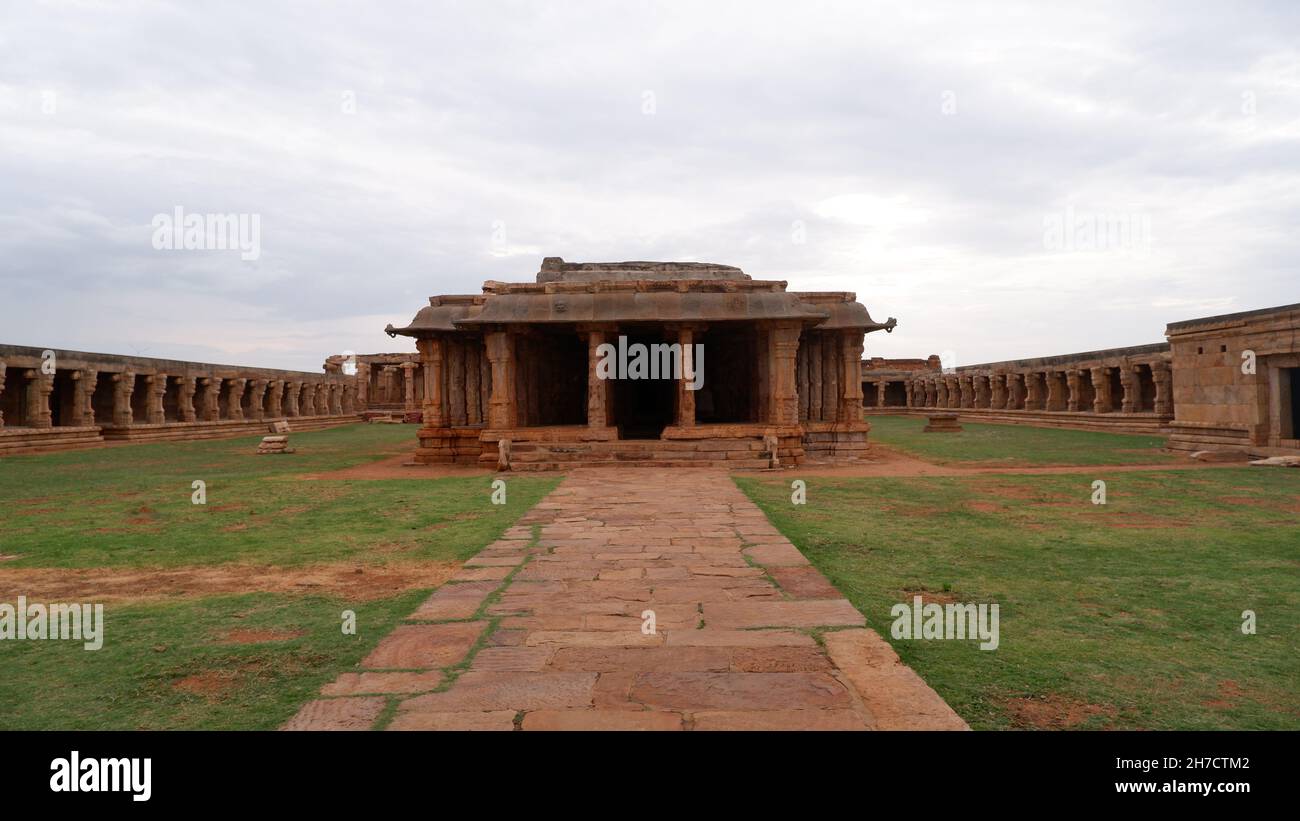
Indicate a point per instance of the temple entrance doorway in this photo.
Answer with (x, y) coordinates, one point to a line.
(644, 407)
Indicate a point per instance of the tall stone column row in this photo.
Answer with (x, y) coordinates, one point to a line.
(826, 367)
(1144, 387)
(161, 398)
(462, 375)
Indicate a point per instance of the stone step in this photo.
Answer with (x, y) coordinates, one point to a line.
(640, 446)
(731, 464)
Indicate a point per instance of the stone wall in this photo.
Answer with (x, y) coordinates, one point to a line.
(56, 399)
(1120, 389)
(1236, 381)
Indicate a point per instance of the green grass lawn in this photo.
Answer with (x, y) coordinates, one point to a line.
(169, 662)
(1015, 445)
(132, 506)
(168, 665)
(1126, 615)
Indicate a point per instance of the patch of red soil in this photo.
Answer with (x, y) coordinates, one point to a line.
(882, 460)
(1229, 694)
(398, 467)
(99, 584)
(143, 516)
(209, 684)
(1053, 712)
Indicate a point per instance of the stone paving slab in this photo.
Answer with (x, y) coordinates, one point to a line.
(567, 645)
(370, 683)
(424, 646)
(338, 714)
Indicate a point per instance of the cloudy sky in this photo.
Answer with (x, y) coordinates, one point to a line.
(1010, 180)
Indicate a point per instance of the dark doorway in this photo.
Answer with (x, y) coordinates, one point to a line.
(1116, 390)
(101, 401)
(727, 358)
(140, 400)
(895, 395)
(644, 407)
(62, 398)
(13, 399)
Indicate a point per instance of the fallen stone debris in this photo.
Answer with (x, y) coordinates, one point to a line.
(274, 444)
(1279, 461)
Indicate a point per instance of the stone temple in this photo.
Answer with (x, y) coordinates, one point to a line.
(513, 374)
(518, 364)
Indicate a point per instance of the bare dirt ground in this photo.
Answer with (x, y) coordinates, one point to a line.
(398, 467)
(884, 461)
(121, 585)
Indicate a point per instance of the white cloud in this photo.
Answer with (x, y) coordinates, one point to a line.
(487, 136)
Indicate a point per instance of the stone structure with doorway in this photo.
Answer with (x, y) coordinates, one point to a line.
(1220, 383)
(518, 362)
(1236, 382)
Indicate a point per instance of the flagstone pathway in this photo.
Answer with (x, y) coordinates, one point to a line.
(652, 599)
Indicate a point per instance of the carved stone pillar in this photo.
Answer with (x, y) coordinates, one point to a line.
(783, 352)
(881, 387)
(83, 385)
(207, 398)
(1164, 399)
(435, 403)
(1128, 380)
(348, 399)
(954, 391)
(256, 399)
(156, 385)
(501, 405)
(322, 399)
(1055, 400)
(685, 394)
(851, 381)
(291, 399)
(123, 387)
(408, 386)
(185, 388)
(39, 387)
(997, 391)
(940, 393)
(909, 388)
(336, 399)
(966, 391)
(1015, 391)
(597, 388)
(473, 382)
(1101, 398)
(1033, 391)
(363, 383)
(274, 399)
(1074, 383)
(3, 367)
(234, 408)
(389, 376)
